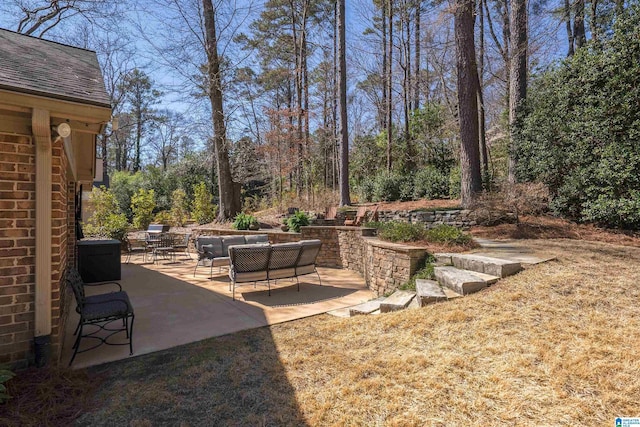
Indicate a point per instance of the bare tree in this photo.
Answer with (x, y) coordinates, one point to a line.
(228, 190)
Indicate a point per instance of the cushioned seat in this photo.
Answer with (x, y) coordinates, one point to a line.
(104, 305)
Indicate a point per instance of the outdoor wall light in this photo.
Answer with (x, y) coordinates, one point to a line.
(64, 130)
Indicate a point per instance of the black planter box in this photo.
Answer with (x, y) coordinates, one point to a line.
(99, 260)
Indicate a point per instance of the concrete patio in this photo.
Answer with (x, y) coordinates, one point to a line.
(172, 307)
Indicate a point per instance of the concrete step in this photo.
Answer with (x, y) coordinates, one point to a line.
(399, 300)
(484, 264)
(428, 292)
(463, 281)
(365, 308)
(442, 258)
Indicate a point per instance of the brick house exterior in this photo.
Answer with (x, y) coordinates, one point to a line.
(42, 84)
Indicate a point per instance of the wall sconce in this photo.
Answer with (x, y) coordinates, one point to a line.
(63, 129)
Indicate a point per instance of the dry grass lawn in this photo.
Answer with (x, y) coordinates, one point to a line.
(558, 344)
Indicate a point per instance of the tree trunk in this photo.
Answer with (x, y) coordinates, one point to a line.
(344, 132)
(567, 18)
(389, 88)
(418, 77)
(518, 75)
(467, 101)
(578, 25)
(481, 117)
(385, 77)
(229, 191)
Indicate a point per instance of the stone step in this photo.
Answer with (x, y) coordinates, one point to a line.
(463, 281)
(443, 258)
(429, 291)
(399, 300)
(484, 264)
(365, 308)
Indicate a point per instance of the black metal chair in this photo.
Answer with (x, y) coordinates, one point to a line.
(100, 311)
(181, 243)
(137, 247)
(164, 247)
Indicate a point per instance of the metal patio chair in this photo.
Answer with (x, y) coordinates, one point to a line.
(100, 311)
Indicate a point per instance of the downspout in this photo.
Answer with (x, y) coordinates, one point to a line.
(40, 122)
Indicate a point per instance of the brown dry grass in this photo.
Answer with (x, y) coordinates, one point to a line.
(558, 344)
(548, 227)
(47, 397)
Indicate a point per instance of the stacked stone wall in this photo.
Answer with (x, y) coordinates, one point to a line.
(461, 218)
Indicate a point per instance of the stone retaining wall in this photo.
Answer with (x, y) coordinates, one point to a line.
(384, 265)
(461, 218)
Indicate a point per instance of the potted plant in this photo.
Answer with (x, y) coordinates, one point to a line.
(285, 224)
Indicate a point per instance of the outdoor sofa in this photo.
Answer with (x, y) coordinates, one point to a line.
(216, 248)
(255, 263)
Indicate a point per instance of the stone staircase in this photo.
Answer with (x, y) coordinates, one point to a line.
(456, 275)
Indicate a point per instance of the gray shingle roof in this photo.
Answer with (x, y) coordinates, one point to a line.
(41, 67)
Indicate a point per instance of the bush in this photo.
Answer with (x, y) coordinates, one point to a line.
(387, 187)
(397, 231)
(204, 211)
(107, 220)
(430, 183)
(243, 221)
(5, 375)
(179, 207)
(448, 234)
(142, 205)
(297, 220)
(366, 190)
(426, 272)
(580, 132)
(163, 217)
(455, 182)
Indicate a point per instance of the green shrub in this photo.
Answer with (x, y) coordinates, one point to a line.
(297, 220)
(366, 190)
(179, 207)
(396, 231)
(430, 183)
(163, 217)
(455, 182)
(243, 221)
(5, 375)
(447, 234)
(107, 219)
(387, 187)
(580, 131)
(426, 272)
(204, 211)
(143, 202)
(406, 188)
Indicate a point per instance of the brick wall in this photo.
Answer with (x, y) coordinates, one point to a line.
(17, 248)
(59, 242)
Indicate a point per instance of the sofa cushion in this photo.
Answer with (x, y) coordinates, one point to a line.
(208, 240)
(305, 269)
(256, 238)
(251, 276)
(282, 273)
(310, 250)
(231, 241)
(215, 249)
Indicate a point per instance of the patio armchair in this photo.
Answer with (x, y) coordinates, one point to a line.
(164, 247)
(330, 213)
(357, 221)
(136, 246)
(101, 311)
(181, 243)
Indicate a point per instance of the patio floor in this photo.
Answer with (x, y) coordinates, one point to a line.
(173, 307)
